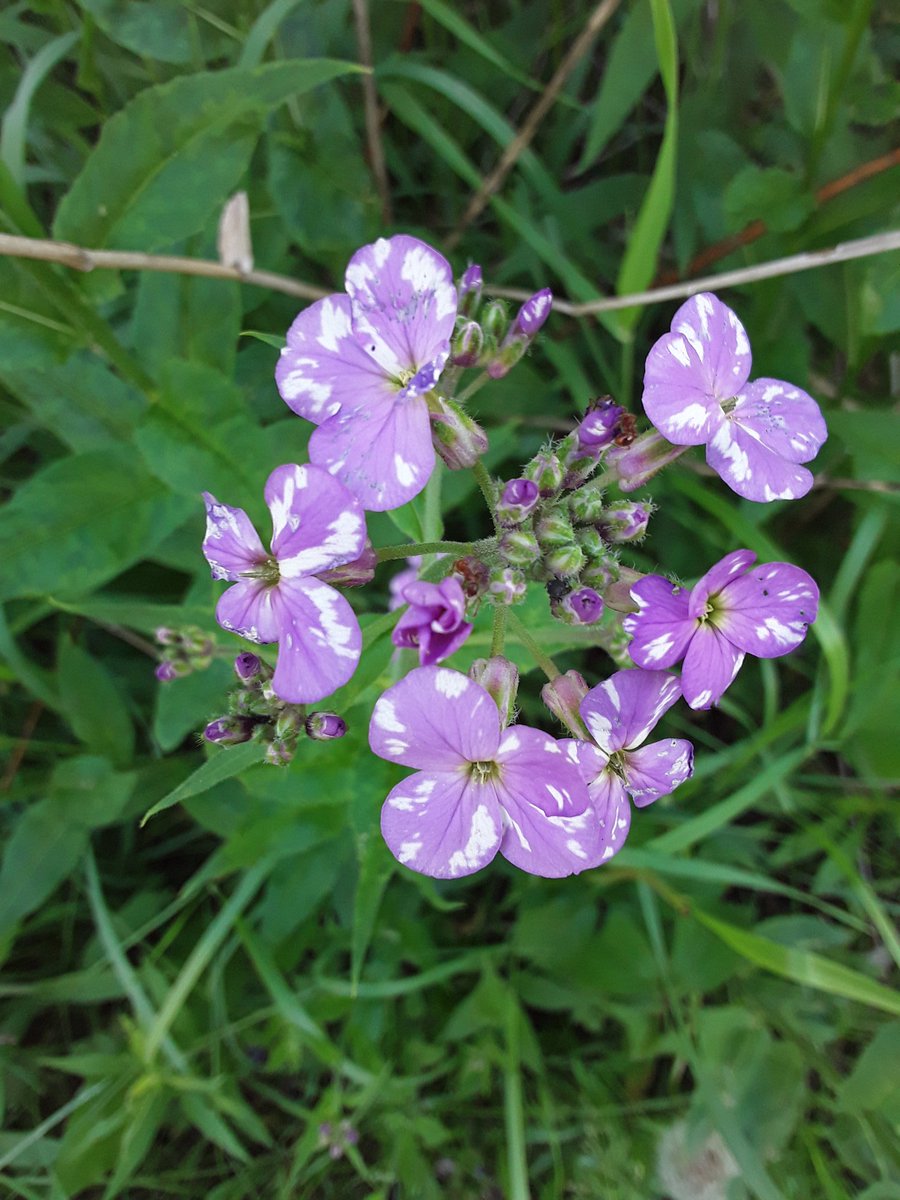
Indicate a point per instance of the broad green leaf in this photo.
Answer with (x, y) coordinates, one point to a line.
(184, 706)
(165, 30)
(94, 706)
(772, 195)
(170, 158)
(81, 521)
(186, 317)
(225, 764)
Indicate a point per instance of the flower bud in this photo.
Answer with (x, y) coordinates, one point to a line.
(467, 345)
(601, 572)
(599, 424)
(565, 561)
(247, 666)
(508, 585)
(581, 607)
(586, 504)
(519, 547)
(633, 465)
(357, 573)
(325, 726)
(554, 529)
(470, 290)
(533, 313)
(500, 679)
(547, 472)
(520, 497)
(563, 695)
(166, 636)
(495, 321)
(288, 723)
(625, 522)
(279, 753)
(457, 438)
(229, 731)
(591, 541)
(196, 643)
(170, 669)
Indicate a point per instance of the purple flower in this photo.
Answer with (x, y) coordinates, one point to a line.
(732, 611)
(583, 607)
(620, 714)
(519, 499)
(534, 312)
(435, 622)
(276, 596)
(398, 584)
(598, 426)
(696, 393)
(478, 788)
(359, 366)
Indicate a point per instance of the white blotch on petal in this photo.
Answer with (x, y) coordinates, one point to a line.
(405, 472)
(657, 647)
(334, 325)
(692, 416)
(385, 717)
(408, 851)
(739, 462)
(482, 836)
(450, 684)
(333, 633)
(558, 796)
(575, 847)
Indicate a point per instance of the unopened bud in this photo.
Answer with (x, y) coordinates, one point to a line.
(601, 572)
(229, 731)
(288, 723)
(169, 670)
(357, 573)
(467, 345)
(564, 561)
(581, 607)
(325, 726)
(520, 496)
(470, 290)
(591, 541)
(495, 321)
(457, 438)
(508, 585)
(519, 547)
(279, 753)
(633, 465)
(563, 695)
(586, 504)
(626, 521)
(554, 529)
(547, 472)
(533, 313)
(166, 636)
(599, 424)
(500, 679)
(247, 666)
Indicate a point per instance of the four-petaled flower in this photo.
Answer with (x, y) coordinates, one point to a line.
(478, 788)
(732, 611)
(696, 392)
(435, 623)
(619, 714)
(276, 596)
(359, 366)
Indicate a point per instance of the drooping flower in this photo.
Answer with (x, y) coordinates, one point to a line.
(276, 595)
(399, 582)
(735, 609)
(477, 789)
(620, 714)
(435, 623)
(696, 393)
(359, 366)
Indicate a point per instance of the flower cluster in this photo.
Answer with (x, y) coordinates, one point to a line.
(376, 370)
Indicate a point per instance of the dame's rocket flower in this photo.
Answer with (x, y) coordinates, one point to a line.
(359, 366)
(435, 623)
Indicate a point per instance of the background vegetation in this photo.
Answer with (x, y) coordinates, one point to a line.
(186, 1003)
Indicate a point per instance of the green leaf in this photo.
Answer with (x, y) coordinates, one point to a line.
(15, 121)
(777, 197)
(169, 159)
(165, 30)
(224, 764)
(80, 522)
(94, 706)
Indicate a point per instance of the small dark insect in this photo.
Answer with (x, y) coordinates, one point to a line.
(558, 589)
(627, 428)
(473, 575)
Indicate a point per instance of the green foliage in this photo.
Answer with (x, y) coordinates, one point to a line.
(193, 1006)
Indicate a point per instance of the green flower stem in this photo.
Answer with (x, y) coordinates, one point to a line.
(513, 1106)
(544, 661)
(498, 629)
(484, 481)
(477, 383)
(408, 549)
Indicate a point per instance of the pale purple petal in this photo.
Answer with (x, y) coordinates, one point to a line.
(435, 719)
(768, 610)
(714, 580)
(782, 418)
(403, 304)
(677, 396)
(751, 469)
(319, 641)
(607, 794)
(382, 453)
(656, 770)
(535, 767)
(710, 665)
(442, 824)
(324, 367)
(719, 341)
(552, 847)
(231, 545)
(620, 712)
(317, 523)
(248, 610)
(661, 629)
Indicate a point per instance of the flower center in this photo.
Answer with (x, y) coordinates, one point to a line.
(616, 763)
(728, 405)
(266, 571)
(482, 772)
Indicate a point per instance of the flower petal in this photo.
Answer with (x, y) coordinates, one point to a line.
(782, 418)
(247, 609)
(319, 641)
(404, 305)
(620, 712)
(549, 846)
(441, 824)
(317, 523)
(710, 665)
(435, 719)
(768, 610)
(324, 367)
(677, 396)
(662, 628)
(231, 545)
(381, 452)
(716, 577)
(535, 768)
(655, 770)
(719, 340)
(608, 796)
(752, 469)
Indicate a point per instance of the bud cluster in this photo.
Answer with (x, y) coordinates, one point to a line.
(256, 713)
(184, 651)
